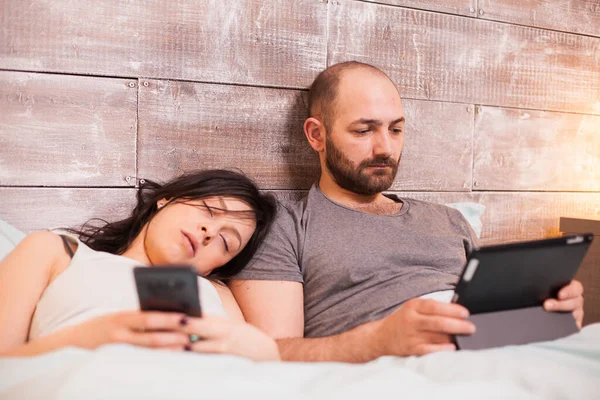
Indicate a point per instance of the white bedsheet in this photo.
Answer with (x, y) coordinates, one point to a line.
(568, 368)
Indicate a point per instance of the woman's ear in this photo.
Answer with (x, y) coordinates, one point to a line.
(161, 203)
(315, 133)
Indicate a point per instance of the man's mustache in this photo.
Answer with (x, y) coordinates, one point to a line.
(387, 161)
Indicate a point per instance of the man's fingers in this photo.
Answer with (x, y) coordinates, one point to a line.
(432, 307)
(451, 326)
(578, 315)
(570, 304)
(573, 289)
(436, 338)
(432, 348)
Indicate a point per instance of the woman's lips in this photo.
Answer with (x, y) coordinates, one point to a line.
(190, 242)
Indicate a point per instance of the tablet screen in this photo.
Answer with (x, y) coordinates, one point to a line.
(519, 275)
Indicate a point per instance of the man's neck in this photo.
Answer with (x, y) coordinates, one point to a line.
(375, 204)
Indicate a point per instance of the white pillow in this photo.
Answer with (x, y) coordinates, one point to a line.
(472, 213)
(9, 238)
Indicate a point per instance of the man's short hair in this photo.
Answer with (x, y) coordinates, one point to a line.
(323, 91)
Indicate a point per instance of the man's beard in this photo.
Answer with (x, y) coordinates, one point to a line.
(358, 180)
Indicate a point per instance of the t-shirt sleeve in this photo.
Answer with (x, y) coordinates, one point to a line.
(463, 228)
(277, 258)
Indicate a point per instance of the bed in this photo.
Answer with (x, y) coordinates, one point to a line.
(567, 368)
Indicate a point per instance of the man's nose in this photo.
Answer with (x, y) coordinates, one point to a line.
(382, 144)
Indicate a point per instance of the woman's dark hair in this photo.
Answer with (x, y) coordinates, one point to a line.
(116, 237)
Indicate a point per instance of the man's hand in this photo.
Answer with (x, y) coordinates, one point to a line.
(570, 298)
(422, 326)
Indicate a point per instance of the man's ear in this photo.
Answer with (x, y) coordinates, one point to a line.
(315, 133)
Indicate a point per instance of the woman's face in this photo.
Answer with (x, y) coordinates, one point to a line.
(198, 232)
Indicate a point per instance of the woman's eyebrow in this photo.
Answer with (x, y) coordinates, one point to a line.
(222, 203)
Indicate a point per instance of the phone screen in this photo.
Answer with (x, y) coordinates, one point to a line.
(168, 289)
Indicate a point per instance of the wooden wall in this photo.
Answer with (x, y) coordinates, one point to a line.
(502, 100)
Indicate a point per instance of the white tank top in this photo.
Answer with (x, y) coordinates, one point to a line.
(97, 283)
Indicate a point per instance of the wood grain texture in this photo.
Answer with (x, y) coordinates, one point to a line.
(186, 125)
(66, 130)
(510, 217)
(438, 147)
(459, 7)
(577, 16)
(261, 42)
(259, 130)
(31, 209)
(444, 57)
(536, 150)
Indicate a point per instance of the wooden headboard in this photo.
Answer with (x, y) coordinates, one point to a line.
(502, 100)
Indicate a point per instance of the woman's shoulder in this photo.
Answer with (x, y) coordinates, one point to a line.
(43, 240)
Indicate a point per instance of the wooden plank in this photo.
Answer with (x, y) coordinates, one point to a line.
(186, 126)
(459, 7)
(438, 152)
(535, 150)
(260, 42)
(31, 209)
(259, 130)
(510, 217)
(66, 130)
(444, 57)
(577, 16)
(580, 225)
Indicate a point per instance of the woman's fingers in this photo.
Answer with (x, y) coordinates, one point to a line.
(144, 321)
(159, 339)
(210, 347)
(208, 327)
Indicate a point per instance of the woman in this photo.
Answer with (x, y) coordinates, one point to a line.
(76, 288)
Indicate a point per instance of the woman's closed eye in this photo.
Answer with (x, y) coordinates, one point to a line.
(225, 244)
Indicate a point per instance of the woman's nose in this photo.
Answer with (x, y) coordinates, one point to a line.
(208, 233)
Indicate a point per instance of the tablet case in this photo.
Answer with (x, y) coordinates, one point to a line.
(505, 286)
(515, 327)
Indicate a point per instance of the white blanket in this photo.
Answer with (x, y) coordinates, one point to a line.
(568, 368)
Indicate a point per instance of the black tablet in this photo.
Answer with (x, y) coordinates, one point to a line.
(519, 275)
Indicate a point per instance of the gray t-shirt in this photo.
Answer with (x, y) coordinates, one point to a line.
(358, 267)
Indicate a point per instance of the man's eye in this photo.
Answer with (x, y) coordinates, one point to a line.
(397, 130)
(362, 131)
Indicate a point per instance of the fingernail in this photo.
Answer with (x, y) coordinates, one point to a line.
(187, 347)
(472, 329)
(183, 321)
(550, 304)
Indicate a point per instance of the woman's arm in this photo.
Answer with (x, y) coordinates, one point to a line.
(24, 275)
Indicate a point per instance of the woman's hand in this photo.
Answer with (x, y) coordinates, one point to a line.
(156, 330)
(223, 336)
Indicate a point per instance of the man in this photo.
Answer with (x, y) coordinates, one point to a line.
(340, 276)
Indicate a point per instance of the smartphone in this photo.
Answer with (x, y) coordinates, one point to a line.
(172, 288)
